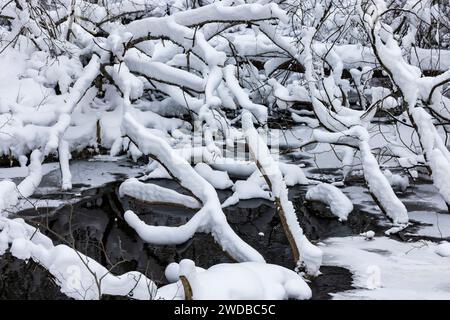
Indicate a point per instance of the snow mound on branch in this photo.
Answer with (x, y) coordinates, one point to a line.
(293, 174)
(155, 194)
(32, 181)
(218, 179)
(158, 173)
(443, 249)
(172, 272)
(380, 187)
(396, 180)
(246, 189)
(237, 281)
(254, 187)
(311, 122)
(339, 203)
(368, 235)
(441, 173)
(435, 150)
(9, 195)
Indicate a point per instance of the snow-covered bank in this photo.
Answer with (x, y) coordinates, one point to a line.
(384, 268)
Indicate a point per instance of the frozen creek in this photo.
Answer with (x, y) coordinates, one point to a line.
(354, 267)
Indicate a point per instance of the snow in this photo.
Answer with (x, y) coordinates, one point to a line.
(338, 202)
(380, 187)
(414, 87)
(441, 173)
(258, 111)
(82, 85)
(435, 222)
(311, 122)
(31, 182)
(435, 150)
(155, 194)
(218, 179)
(246, 189)
(368, 234)
(429, 59)
(64, 156)
(443, 249)
(80, 277)
(9, 195)
(293, 174)
(387, 269)
(237, 281)
(396, 180)
(160, 72)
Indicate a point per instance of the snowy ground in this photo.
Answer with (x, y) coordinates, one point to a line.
(384, 268)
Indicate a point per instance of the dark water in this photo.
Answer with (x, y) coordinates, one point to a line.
(97, 226)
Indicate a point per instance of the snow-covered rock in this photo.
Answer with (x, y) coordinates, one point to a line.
(443, 249)
(236, 281)
(396, 180)
(340, 205)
